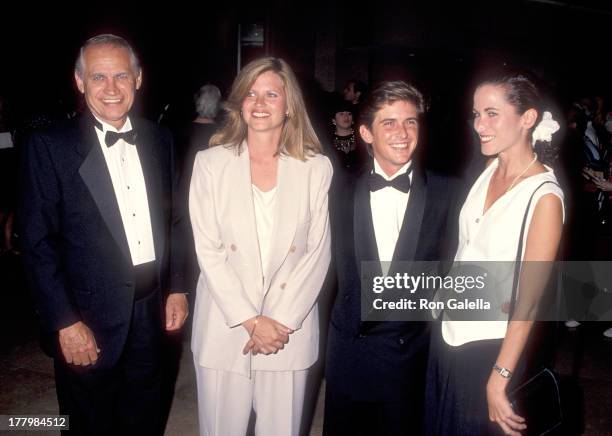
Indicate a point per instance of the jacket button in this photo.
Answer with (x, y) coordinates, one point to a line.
(283, 285)
(401, 341)
(292, 249)
(347, 297)
(233, 247)
(361, 336)
(129, 284)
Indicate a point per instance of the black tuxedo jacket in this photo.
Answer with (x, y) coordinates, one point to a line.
(74, 245)
(383, 361)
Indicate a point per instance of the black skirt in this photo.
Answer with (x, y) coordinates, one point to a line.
(456, 399)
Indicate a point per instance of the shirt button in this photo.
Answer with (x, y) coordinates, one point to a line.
(292, 249)
(133, 214)
(128, 186)
(283, 285)
(138, 242)
(467, 242)
(233, 247)
(477, 220)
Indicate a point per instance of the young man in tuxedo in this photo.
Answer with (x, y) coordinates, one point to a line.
(99, 247)
(396, 211)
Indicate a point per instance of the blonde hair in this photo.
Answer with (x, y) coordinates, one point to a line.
(298, 138)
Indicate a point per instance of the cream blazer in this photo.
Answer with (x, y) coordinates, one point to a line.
(232, 287)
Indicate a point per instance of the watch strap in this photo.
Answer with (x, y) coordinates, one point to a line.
(504, 372)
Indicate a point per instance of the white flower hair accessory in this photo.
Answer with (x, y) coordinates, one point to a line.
(545, 129)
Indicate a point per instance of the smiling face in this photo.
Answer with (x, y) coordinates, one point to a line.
(394, 135)
(108, 83)
(265, 107)
(497, 122)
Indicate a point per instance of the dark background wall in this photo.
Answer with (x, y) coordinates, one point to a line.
(436, 44)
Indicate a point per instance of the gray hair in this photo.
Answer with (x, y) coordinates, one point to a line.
(106, 39)
(207, 101)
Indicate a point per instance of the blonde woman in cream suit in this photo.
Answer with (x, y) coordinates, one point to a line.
(258, 207)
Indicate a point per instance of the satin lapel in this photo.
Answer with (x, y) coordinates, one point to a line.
(408, 239)
(149, 156)
(241, 209)
(365, 240)
(96, 177)
(363, 226)
(290, 177)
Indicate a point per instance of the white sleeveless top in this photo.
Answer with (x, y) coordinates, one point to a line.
(493, 236)
(264, 203)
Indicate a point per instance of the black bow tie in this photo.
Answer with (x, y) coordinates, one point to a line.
(401, 182)
(112, 137)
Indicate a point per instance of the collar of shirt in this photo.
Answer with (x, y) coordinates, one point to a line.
(127, 126)
(402, 170)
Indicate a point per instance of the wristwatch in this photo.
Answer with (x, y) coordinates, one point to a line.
(504, 372)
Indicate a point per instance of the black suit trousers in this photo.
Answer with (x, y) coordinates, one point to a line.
(125, 399)
(346, 417)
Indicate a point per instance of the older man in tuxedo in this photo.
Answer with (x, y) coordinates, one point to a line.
(396, 211)
(99, 247)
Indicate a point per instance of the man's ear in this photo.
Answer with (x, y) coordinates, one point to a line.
(79, 82)
(366, 135)
(139, 79)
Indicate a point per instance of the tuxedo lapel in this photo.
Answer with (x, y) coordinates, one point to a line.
(366, 249)
(408, 239)
(96, 177)
(363, 226)
(148, 154)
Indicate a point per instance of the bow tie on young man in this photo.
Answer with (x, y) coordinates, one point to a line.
(401, 182)
(112, 137)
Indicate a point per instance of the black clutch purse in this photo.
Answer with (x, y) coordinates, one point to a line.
(538, 399)
(539, 402)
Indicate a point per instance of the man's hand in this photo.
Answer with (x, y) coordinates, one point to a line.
(78, 344)
(177, 311)
(267, 335)
(603, 184)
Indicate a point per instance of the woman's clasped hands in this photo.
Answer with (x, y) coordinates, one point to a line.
(267, 336)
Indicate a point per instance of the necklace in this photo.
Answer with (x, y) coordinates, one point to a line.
(346, 143)
(535, 157)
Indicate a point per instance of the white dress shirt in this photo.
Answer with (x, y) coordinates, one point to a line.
(130, 191)
(388, 207)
